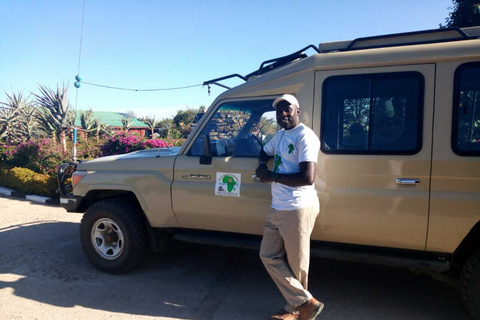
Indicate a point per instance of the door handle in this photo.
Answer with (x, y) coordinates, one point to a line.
(407, 181)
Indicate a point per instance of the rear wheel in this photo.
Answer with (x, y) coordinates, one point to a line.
(114, 236)
(471, 284)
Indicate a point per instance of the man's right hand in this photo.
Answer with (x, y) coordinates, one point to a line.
(263, 173)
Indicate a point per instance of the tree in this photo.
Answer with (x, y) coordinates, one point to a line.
(54, 115)
(131, 114)
(101, 128)
(126, 124)
(465, 13)
(184, 119)
(28, 125)
(87, 122)
(9, 115)
(8, 119)
(165, 126)
(151, 122)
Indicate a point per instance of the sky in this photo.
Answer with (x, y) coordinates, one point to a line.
(151, 44)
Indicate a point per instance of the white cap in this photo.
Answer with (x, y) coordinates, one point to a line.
(286, 97)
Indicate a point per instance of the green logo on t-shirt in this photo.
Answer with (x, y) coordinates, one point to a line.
(277, 162)
(290, 148)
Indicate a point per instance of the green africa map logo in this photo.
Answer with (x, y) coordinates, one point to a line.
(277, 162)
(228, 184)
(230, 181)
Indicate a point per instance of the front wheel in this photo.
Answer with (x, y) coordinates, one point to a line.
(471, 284)
(114, 235)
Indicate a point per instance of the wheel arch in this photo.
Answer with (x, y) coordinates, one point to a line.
(158, 239)
(95, 195)
(469, 244)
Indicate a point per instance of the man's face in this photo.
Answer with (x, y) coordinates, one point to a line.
(287, 115)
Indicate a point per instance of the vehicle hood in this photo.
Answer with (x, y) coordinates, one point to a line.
(143, 159)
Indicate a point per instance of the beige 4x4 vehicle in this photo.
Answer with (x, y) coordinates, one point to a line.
(398, 174)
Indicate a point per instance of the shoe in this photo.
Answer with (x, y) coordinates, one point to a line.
(284, 315)
(310, 309)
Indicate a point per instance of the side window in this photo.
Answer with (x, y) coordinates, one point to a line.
(466, 110)
(373, 114)
(238, 129)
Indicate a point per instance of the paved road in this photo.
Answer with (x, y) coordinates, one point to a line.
(44, 275)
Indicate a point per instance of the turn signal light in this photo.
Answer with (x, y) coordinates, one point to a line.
(77, 176)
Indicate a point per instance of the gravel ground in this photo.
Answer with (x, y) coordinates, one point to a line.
(45, 275)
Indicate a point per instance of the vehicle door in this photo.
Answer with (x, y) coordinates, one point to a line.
(455, 195)
(217, 192)
(373, 174)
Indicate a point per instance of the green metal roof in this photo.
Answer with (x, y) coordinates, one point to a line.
(111, 119)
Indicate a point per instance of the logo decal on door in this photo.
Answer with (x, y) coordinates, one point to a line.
(228, 184)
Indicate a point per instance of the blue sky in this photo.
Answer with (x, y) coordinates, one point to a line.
(161, 44)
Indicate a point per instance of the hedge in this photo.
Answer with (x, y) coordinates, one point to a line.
(26, 181)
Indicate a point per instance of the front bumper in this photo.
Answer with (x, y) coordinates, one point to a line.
(67, 200)
(70, 202)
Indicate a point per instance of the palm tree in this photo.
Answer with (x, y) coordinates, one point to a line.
(54, 112)
(126, 124)
(87, 122)
(100, 128)
(28, 125)
(10, 115)
(151, 122)
(165, 125)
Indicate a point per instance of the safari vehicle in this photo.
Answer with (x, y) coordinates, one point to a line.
(398, 174)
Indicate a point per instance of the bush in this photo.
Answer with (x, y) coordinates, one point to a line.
(87, 150)
(42, 156)
(176, 142)
(6, 152)
(121, 143)
(27, 181)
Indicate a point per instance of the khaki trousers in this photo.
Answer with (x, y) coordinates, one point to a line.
(285, 251)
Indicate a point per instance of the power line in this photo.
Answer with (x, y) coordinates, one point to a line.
(79, 59)
(129, 89)
(81, 37)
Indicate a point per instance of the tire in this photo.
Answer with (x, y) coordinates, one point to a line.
(114, 236)
(471, 284)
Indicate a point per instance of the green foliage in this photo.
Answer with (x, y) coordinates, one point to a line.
(88, 149)
(27, 122)
(93, 127)
(151, 122)
(122, 143)
(16, 118)
(6, 152)
(465, 13)
(26, 181)
(165, 125)
(126, 124)
(41, 156)
(54, 116)
(184, 119)
(87, 122)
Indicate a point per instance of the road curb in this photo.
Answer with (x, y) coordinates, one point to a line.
(30, 197)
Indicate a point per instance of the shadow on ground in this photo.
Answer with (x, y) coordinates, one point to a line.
(44, 262)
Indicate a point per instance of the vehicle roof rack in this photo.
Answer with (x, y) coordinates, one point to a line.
(403, 39)
(265, 67)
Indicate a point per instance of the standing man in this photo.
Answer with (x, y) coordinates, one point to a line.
(285, 249)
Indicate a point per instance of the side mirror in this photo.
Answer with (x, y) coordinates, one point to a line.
(207, 151)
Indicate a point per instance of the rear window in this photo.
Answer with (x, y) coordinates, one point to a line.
(466, 110)
(373, 114)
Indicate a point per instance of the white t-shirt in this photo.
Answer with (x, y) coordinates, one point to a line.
(289, 148)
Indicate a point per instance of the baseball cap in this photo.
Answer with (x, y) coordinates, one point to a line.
(286, 97)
